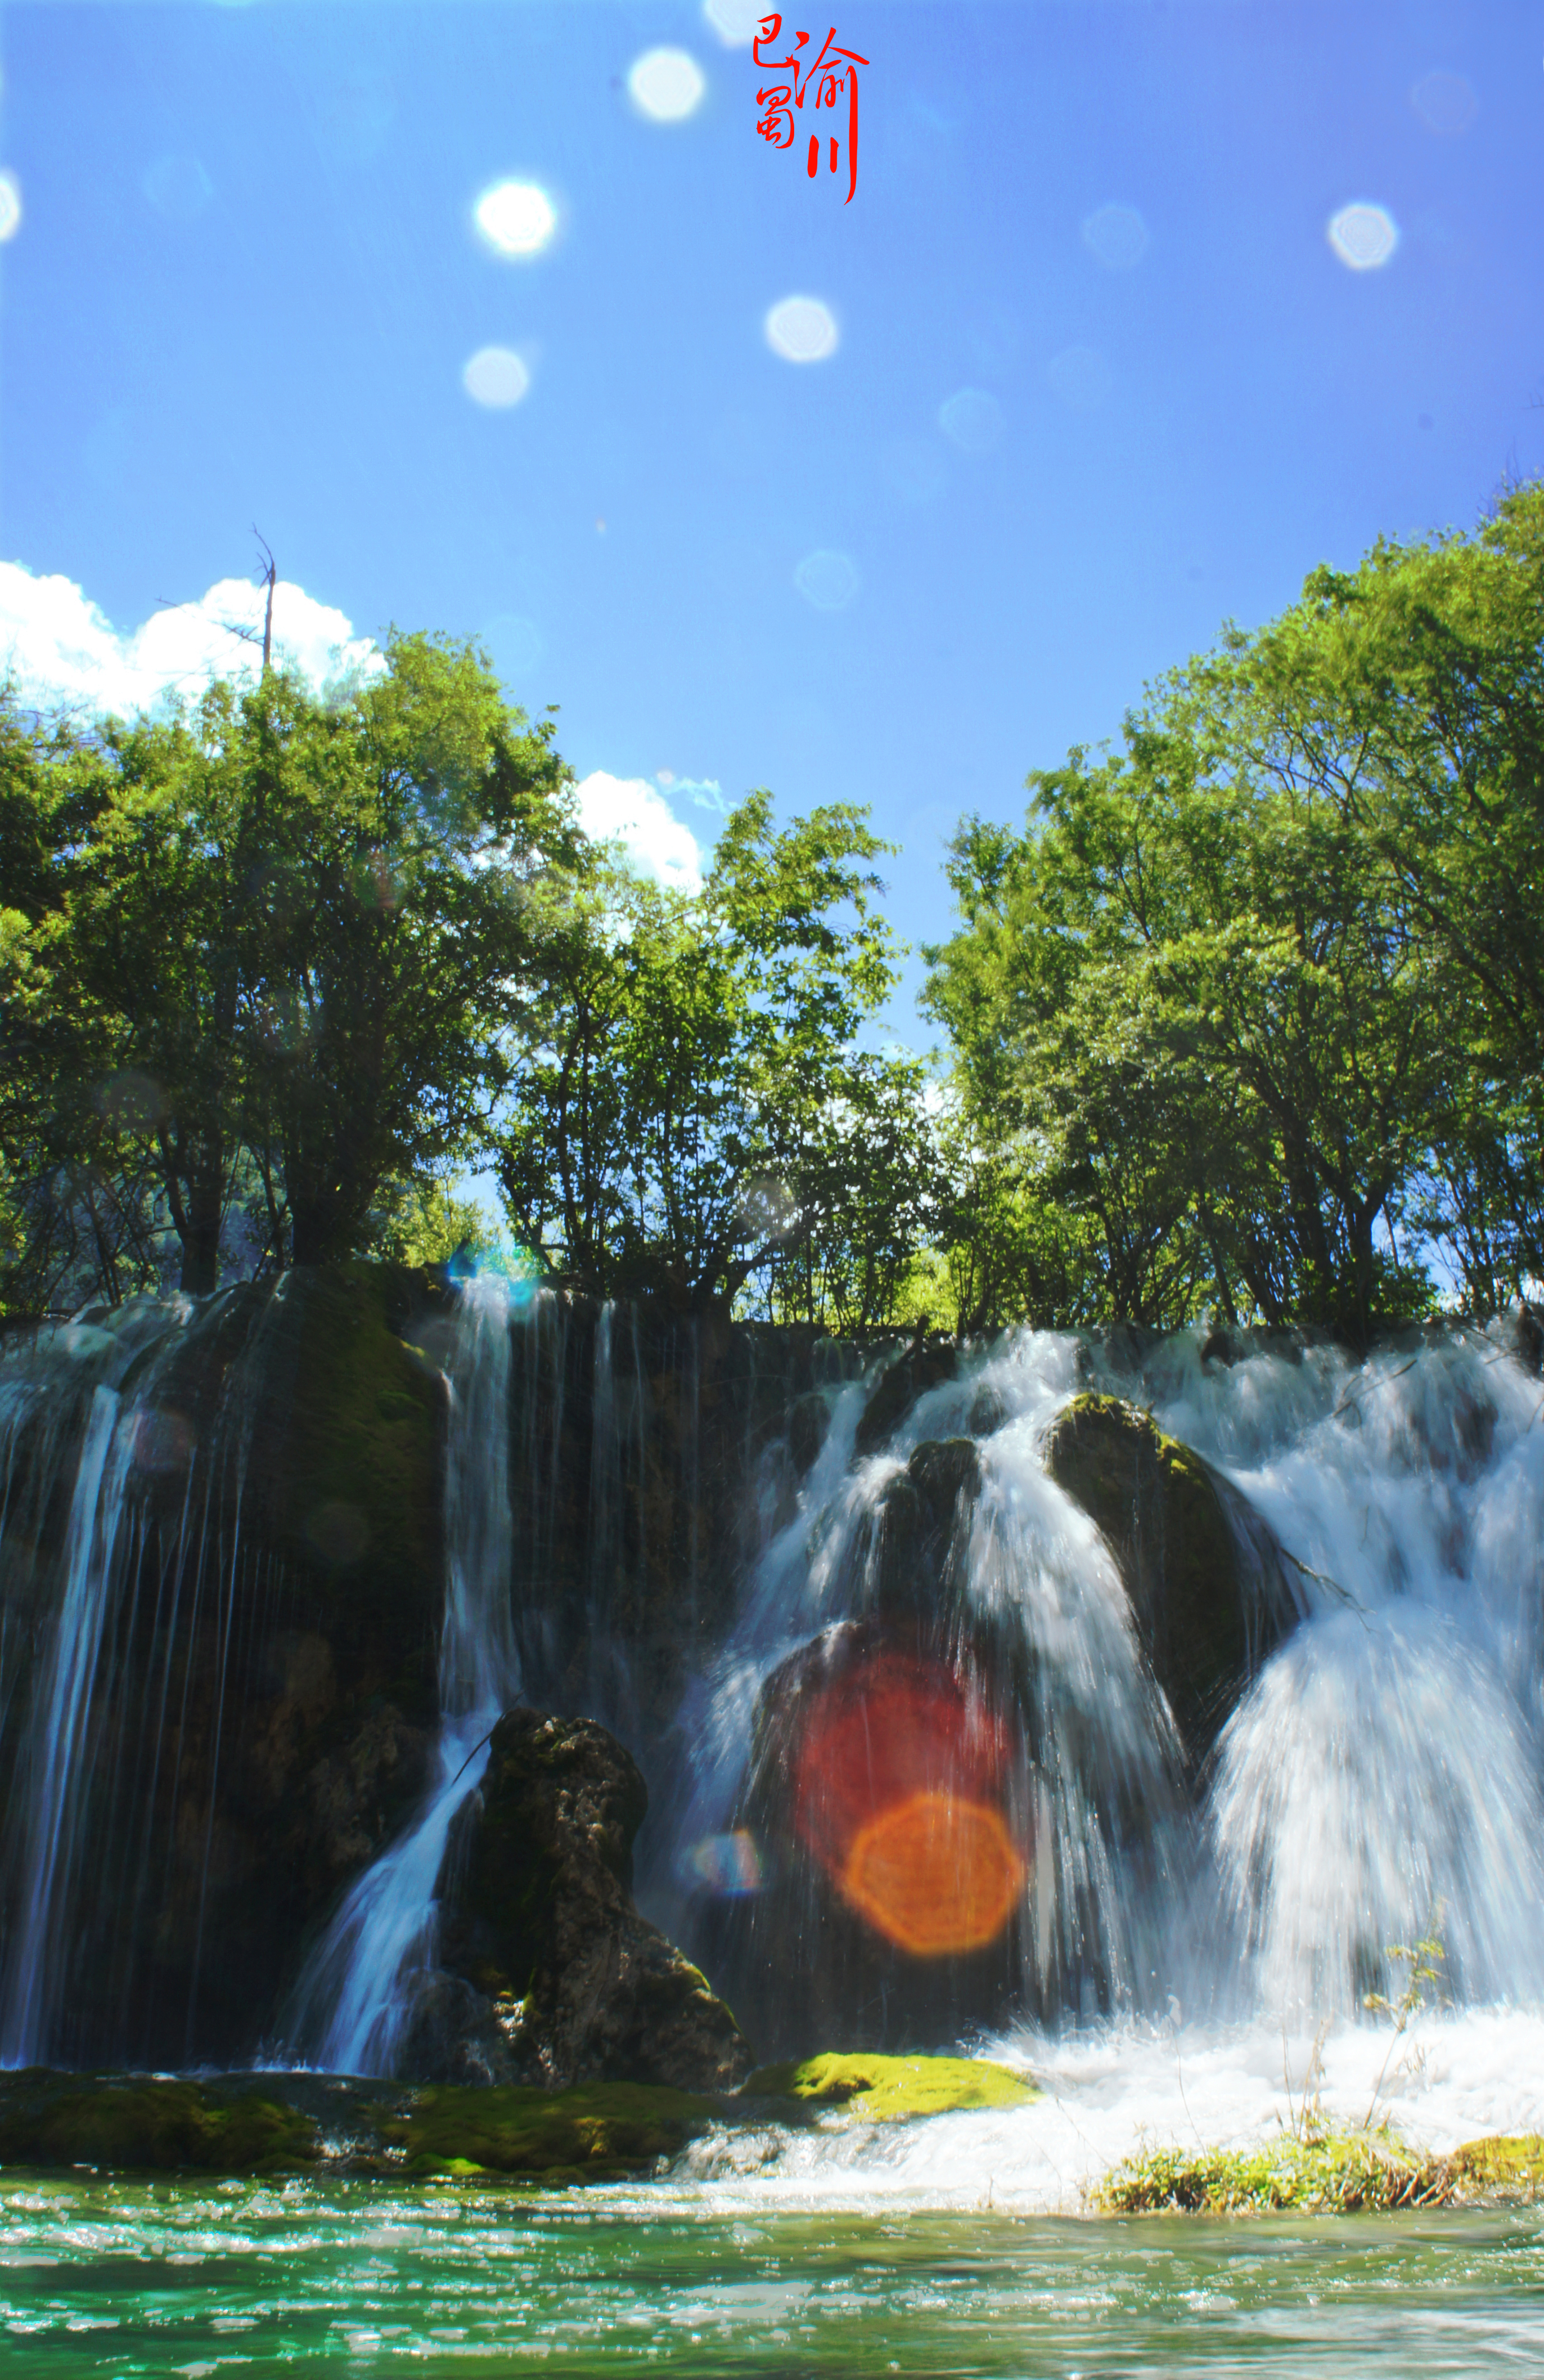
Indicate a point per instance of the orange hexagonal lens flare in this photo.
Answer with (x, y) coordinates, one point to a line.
(934, 1874)
(900, 1778)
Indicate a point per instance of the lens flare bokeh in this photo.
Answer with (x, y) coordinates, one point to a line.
(900, 1782)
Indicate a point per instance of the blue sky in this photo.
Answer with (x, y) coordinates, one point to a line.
(1101, 377)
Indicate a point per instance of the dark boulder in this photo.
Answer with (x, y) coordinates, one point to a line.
(809, 1423)
(907, 1555)
(925, 1365)
(538, 1919)
(1210, 1588)
(943, 1470)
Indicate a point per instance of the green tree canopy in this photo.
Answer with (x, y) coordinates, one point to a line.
(271, 946)
(695, 1114)
(1247, 1016)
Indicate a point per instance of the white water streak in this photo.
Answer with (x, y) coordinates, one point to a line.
(356, 1994)
(64, 1703)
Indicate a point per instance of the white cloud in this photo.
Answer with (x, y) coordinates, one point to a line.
(629, 811)
(60, 646)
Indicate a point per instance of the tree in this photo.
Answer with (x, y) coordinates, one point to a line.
(1208, 1015)
(406, 932)
(272, 945)
(689, 1114)
(76, 1196)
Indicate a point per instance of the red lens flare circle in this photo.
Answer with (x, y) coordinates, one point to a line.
(898, 1784)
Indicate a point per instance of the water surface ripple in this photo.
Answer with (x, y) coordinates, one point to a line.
(122, 2279)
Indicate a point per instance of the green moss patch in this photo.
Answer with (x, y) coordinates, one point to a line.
(596, 2131)
(228, 2124)
(1508, 2165)
(146, 2124)
(889, 2090)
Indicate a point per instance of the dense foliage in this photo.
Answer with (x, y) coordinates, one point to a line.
(1244, 1021)
(694, 1118)
(257, 953)
(1248, 1017)
(275, 968)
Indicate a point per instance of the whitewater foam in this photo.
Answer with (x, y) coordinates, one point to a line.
(1113, 2091)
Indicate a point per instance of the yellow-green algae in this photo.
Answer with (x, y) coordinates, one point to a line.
(1503, 2164)
(1331, 2173)
(888, 2090)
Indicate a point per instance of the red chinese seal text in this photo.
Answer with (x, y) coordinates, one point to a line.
(827, 79)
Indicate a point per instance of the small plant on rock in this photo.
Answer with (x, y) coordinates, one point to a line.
(1422, 1965)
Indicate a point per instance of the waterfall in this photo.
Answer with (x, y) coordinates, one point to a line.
(356, 1994)
(704, 1520)
(64, 1701)
(1382, 1780)
(1379, 1780)
(53, 1766)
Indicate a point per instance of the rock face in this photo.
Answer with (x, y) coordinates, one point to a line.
(1210, 1590)
(647, 1449)
(925, 1365)
(265, 1691)
(908, 1554)
(560, 1980)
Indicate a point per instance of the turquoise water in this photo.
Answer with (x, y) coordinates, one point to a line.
(123, 2278)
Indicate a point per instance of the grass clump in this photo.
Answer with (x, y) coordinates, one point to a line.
(1332, 2173)
(1329, 2173)
(889, 2090)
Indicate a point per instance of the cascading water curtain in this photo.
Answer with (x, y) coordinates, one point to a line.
(357, 1994)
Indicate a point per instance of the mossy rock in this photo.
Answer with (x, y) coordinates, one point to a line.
(538, 1915)
(889, 2090)
(136, 2123)
(1203, 1570)
(1505, 2166)
(596, 2131)
(360, 1478)
(141, 2123)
